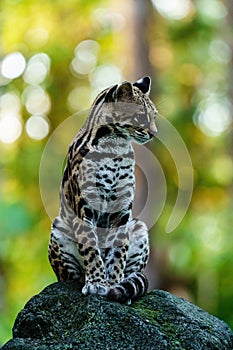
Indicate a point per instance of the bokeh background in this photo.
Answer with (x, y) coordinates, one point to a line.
(55, 56)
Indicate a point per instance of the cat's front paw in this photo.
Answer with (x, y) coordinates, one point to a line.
(95, 288)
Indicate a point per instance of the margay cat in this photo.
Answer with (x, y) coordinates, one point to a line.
(94, 238)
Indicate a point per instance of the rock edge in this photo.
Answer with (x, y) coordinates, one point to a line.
(61, 318)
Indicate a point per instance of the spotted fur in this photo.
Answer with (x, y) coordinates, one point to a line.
(95, 239)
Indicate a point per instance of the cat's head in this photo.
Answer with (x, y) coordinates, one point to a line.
(128, 106)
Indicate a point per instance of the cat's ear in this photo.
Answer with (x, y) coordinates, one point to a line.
(143, 84)
(124, 91)
(111, 94)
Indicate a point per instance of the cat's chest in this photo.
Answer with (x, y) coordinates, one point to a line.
(108, 160)
(107, 173)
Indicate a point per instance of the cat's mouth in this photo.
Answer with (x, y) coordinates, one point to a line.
(142, 136)
(152, 134)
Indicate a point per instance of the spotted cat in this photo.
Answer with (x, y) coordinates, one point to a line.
(95, 239)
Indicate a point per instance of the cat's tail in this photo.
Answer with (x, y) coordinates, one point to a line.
(131, 288)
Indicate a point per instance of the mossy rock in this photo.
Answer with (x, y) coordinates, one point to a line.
(60, 318)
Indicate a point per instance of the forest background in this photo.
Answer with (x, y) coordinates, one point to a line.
(55, 56)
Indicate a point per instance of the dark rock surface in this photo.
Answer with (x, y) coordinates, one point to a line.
(60, 318)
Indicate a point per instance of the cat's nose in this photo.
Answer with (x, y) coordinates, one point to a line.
(153, 129)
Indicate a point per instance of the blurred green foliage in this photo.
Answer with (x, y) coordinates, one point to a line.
(69, 51)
